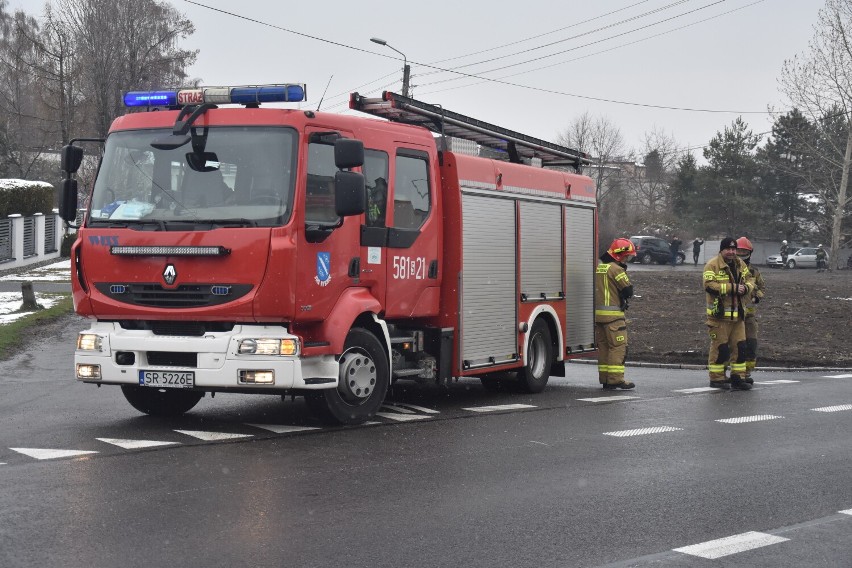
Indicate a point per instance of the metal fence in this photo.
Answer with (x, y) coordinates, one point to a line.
(7, 251)
(50, 234)
(29, 237)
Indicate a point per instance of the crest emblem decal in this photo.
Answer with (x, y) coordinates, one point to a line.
(323, 276)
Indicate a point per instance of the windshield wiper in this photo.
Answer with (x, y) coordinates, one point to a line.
(233, 222)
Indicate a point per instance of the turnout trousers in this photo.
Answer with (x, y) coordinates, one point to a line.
(751, 344)
(611, 339)
(727, 346)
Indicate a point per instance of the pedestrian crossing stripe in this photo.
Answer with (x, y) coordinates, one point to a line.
(498, 407)
(607, 398)
(135, 444)
(720, 547)
(283, 428)
(642, 431)
(836, 408)
(212, 436)
(744, 419)
(402, 417)
(837, 376)
(49, 454)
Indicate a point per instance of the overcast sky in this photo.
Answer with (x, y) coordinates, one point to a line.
(696, 54)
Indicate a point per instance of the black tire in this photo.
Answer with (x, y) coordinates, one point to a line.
(646, 258)
(791, 264)
(534, 375)
(680, 258)
(362, 385)
(160, 402)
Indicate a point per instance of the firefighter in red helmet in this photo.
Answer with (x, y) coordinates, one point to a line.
(744, 250)
(612, 290)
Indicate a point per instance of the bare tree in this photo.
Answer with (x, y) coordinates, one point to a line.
(602, 139)
(650, 183)
(819, 82)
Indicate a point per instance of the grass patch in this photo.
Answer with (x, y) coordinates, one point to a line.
(18, 332)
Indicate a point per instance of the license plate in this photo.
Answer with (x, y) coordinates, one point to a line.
(167, 379)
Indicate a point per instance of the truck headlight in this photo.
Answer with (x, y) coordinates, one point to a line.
(89, 342)
(268, 346)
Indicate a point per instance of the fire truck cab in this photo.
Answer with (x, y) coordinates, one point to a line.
(279, 251)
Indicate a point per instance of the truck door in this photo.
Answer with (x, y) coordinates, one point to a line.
(328, 250)
(414, 224)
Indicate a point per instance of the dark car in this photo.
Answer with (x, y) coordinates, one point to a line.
(654, 249)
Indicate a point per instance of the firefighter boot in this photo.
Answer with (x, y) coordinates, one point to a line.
(724, 384)
(739, 384)
(626, 385)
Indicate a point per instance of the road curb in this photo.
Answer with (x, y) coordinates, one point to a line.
(703, 367)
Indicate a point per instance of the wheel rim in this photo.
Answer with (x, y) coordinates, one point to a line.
(537, 356)
(357, 377)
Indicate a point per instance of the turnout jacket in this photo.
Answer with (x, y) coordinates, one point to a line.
(720, 284)
(757, 295)
(612, 290)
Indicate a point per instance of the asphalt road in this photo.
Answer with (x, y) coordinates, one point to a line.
(452, 477)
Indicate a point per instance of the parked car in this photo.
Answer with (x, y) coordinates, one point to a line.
(775, 261)
(804, 258)
(654, 249)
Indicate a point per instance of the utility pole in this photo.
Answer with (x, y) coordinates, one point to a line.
(406, 69)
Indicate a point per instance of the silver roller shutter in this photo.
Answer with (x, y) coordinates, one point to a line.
(541, 250)
(580, 271)
(488, 281)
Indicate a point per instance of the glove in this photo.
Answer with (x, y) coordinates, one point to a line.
(756, 300)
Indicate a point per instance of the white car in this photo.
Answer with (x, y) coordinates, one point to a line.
(775, 260)
(804, 258)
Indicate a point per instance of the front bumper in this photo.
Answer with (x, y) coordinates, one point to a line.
(218, 364)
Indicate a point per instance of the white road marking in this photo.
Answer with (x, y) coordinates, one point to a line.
(212, 436)
(778, 382)
(413, 407)
(607, 398)
(718, 548)
(397, 409)
(744, 419)
(402, 417)
(283, 429)
(44, 454)
(837, 408)
(698, 389)
(135, 444)
(837, 376)
(498, 407)
(2, 463)
(642, 431)
(846, 512)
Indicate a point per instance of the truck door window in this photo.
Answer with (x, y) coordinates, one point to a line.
(376, 174)
(411, 199)
(319, 199)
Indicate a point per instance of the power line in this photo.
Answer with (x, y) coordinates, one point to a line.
(473, 76)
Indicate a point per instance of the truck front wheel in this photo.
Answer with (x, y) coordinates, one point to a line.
(160, 402)
(362, 384)
(533, 377)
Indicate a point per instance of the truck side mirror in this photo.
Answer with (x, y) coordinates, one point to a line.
(348, 153)
(68, 196)
(350, 193)
(72, 157)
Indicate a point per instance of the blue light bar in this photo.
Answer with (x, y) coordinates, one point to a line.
(268, 94)
(150, 98)
(245, 95)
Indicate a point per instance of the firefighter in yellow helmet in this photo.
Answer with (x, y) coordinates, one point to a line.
(727, 282)
(612, 290)
(744, 250)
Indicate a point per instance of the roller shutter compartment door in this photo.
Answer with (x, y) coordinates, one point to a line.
(541, 250)
(488, 310)
(580, 283)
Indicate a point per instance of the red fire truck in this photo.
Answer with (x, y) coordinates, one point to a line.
(232, 248)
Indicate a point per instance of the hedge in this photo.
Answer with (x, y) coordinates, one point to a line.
(26, 197)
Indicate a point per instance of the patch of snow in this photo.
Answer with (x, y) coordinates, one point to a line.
(10, 302)
(22, 183)
(56, 272)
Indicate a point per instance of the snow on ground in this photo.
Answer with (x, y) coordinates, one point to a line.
(56, 272)
(10, 302)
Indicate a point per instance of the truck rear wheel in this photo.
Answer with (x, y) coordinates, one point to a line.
(160, 402)
(362, 384)
(533, 377)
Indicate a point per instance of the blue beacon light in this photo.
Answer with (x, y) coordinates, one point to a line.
(218, 95)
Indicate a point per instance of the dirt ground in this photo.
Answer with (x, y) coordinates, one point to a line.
(804, 320)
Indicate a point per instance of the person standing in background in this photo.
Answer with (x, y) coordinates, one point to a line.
(674, 247)
(784, 253)
(821, 257)
(696, 249)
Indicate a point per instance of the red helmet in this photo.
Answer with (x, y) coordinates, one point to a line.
(621, 249)
(744, 243)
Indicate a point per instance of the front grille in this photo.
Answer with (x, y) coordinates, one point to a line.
(180, 328)
(184, 296)
(171, 359)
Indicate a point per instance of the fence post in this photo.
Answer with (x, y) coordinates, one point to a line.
(38, 222)
(17, 237)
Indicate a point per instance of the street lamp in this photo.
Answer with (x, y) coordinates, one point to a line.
(406, 70)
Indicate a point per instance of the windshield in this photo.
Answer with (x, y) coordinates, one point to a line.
(227, 175)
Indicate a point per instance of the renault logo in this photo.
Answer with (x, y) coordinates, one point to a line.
(170, 274)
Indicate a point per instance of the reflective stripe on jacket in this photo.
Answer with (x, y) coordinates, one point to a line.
(610, 279)
(720, 284)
